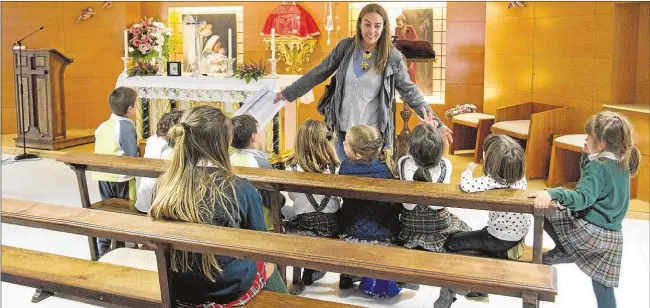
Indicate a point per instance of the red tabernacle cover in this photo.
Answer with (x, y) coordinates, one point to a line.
(290, 20)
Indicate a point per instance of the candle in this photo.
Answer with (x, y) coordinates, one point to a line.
(230, 43)
(126, 43)
(273, 43)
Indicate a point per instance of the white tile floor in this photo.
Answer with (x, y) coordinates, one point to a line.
(49, 181)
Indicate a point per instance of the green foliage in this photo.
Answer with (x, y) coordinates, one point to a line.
(250, 71)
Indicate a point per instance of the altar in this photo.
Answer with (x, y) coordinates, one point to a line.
(159, 94)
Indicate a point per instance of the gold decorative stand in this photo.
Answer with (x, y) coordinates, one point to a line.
(293, 52)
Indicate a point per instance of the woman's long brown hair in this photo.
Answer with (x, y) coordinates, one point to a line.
(384, 44)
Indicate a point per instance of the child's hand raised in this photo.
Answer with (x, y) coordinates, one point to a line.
(542, 199)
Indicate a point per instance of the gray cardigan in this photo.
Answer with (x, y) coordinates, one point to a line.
(338, 60)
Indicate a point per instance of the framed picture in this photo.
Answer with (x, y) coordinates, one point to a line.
(174, 69)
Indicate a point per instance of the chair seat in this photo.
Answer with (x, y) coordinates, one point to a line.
(517, 128)
(471, 119)
(571, 142)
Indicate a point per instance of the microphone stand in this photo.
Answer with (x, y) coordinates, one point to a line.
(24, 155)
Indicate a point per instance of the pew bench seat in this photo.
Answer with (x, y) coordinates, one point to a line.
(117, 205)
(111, 283)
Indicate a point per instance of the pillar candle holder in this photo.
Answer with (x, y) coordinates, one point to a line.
(274, 71)
(230, 69)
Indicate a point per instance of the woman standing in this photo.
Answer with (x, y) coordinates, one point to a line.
(367, 67)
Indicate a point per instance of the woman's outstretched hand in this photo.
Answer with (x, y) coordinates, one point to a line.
(430, 120)
(279, 97)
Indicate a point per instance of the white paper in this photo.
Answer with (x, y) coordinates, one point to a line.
(261, 106)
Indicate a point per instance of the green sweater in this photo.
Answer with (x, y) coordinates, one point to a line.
(603, 192)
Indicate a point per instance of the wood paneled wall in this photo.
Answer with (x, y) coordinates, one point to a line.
(576, 54)
(95, 45)
(465, 54)
(549, 52)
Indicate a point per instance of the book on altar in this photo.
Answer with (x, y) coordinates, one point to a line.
(260, 106)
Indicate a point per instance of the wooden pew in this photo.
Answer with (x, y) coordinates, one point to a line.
(110, 283)
(531, 282)
(506, 200)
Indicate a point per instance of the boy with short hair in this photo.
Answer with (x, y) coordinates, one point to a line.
(248, 139)
(117, 136)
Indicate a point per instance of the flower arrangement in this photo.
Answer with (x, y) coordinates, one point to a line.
(249, 71)
(149, 39)
(459, 109)
(142, 68)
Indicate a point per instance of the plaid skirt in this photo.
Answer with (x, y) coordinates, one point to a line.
(428, 228)
(596, 251)
(259, 282)
(314, 224)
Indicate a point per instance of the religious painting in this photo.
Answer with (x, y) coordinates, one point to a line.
(206, 36)
(416, 24)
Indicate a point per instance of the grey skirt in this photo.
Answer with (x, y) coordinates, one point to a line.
(428, 228)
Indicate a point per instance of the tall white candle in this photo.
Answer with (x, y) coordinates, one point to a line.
(273, 43)
(229, 43)
(126, 43)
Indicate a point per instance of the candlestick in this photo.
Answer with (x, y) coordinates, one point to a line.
(126, 43)
(273, 43)
(274, 73)
(229, 43)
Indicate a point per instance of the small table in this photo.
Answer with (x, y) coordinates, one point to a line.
(470, 130)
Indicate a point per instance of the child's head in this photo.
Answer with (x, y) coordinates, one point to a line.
(168, 120)
(246, 133)
(504, 159)
(610, 131)
(425, 147)
(364, 143)
(190, 192)
(122, 101)
(314, 150)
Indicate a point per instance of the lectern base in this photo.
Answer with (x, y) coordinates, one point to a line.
(74, 138)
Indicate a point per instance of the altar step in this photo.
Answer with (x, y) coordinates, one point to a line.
(77, 140)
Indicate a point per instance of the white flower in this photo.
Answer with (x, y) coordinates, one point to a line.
(131, 49)
(137, 26)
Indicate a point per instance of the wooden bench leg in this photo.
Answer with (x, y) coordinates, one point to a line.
(163, 260)
(85, 203)
(40, 295)
(530, 300)
(538, 235)
(276, 211)
(482, 132)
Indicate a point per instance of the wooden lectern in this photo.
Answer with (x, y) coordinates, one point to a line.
(43, 103)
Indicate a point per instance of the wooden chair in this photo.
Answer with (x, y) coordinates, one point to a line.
(565, 159)
(470, 130)
(529, 281)
(535, 124)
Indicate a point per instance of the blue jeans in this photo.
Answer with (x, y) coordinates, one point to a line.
(340, 152)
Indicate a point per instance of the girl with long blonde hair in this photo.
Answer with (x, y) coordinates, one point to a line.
(199, 187)
(586, 227)
(315, 214)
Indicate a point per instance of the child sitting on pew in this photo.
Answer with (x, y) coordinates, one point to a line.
(157, 147)
(366, 221)
(315, 214)
(427, 226)
(586, 227)
(199, 187)
(117, 136)
(504, 165)
(248, 139)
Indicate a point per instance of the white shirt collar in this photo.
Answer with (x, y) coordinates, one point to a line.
(117, 117)
(603, 154)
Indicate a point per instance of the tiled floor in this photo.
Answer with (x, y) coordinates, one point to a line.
(48, 181)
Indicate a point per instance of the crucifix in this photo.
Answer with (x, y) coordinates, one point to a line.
(195, 64)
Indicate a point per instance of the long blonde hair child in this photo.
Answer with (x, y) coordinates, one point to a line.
(314, 150)
(365, 143)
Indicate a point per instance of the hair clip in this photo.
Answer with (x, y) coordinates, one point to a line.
(329, 135)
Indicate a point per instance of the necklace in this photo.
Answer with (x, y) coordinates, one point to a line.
(365, 66)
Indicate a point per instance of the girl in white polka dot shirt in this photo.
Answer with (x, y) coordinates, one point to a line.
(504, 167)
